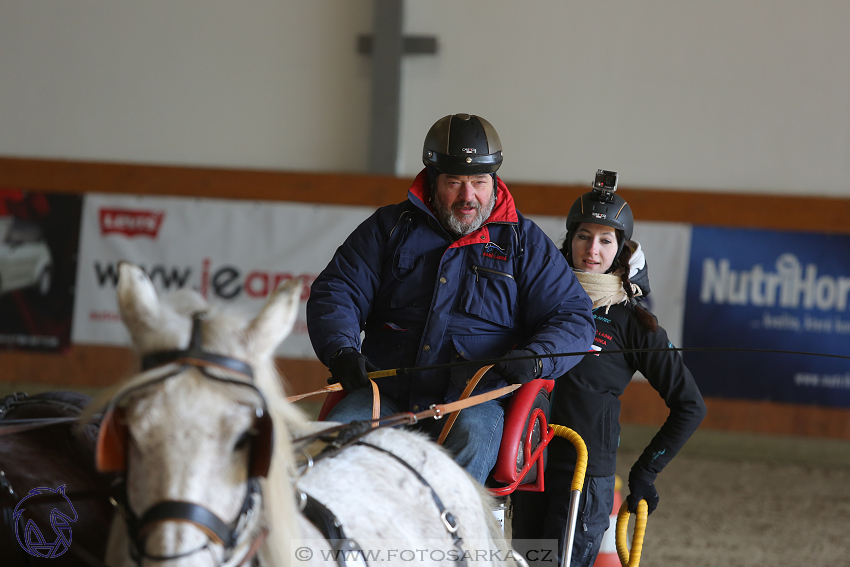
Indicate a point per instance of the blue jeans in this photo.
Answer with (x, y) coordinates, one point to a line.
(474, 439)
(546, 515)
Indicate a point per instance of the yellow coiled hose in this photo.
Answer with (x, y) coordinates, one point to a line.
(631, 559)
(627, 558)
(575, 488)
(581, 453)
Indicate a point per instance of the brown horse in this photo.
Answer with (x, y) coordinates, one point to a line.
(42, 446)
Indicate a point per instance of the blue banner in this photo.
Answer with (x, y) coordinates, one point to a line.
(769, 290)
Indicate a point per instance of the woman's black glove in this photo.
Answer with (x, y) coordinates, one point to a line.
(519, 371)
(641, 490)
(350, 368)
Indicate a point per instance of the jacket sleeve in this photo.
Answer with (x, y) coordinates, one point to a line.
(556, 311)
(667, 373)
(342, 295)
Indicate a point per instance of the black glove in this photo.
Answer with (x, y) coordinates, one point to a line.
(641, 490)
(519, 371)
(350, 368)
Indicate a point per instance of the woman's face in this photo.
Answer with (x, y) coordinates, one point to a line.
(594, 248)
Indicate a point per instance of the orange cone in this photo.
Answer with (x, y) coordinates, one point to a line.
(608, 550)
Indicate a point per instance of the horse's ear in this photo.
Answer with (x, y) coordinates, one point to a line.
(276, 319)
(137, 299)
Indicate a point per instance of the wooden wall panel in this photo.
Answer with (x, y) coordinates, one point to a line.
(824, 214)
(98, 366)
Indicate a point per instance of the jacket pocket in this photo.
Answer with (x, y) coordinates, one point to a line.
(407, 274)
(489, 294)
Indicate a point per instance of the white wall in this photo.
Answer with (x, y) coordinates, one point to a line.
(248, 83)
(734, 95)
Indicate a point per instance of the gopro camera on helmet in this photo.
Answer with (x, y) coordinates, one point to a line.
(602, 205)
(605, 184)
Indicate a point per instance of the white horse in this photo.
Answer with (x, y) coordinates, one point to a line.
(193, 434)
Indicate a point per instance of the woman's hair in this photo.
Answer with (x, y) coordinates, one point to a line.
(620, 266)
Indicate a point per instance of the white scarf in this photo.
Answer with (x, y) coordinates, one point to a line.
(605, 290)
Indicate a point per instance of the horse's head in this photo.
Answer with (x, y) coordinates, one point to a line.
(194, 431)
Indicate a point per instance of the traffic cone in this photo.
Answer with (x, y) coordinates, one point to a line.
(608, 550)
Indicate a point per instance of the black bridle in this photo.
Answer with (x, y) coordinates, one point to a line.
(218, 531)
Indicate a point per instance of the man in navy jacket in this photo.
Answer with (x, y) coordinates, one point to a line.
(453, 273)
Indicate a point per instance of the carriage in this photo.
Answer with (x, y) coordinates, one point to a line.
(226, 471)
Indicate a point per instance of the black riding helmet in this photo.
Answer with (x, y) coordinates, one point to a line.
(604, 207)
(462, 144)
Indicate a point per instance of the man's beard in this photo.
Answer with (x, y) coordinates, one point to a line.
(458, 228)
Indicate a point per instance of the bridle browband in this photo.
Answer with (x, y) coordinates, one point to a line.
(195, 355)
(217, 530)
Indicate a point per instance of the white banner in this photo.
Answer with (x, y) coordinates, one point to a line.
(236, 252)
(231, 251)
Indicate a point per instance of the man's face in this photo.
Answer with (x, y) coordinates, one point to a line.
(464, 202)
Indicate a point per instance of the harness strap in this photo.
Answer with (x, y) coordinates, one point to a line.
(437, 411)
(464, 395)
(197, 358)
(255, 547)
(449, 521)
(213, 526)
(328, 524)
(10, 426)
(376, 401)
(20, 399)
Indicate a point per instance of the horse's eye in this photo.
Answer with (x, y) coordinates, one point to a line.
(242, 441)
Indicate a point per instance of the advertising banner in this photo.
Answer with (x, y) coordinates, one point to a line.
(236, 252)
(769, 290)
(232, 252)
(38, 253)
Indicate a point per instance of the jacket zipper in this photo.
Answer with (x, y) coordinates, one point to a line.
(483, 269)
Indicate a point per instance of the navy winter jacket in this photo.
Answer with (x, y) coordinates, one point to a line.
(423, 298)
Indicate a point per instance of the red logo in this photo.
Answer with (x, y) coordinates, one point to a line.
(130, 223)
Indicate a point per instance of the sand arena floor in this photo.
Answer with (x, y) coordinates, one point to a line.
(740, 500)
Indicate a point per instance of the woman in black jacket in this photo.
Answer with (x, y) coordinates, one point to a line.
(612, 270)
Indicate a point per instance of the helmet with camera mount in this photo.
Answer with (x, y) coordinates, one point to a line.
(602, 206)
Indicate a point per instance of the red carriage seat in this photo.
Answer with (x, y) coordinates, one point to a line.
(522, 454)
(331, 400)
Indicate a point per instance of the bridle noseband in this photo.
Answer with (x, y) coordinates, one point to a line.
(111, 457)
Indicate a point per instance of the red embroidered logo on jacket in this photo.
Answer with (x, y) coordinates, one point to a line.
(493, 250)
